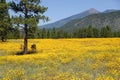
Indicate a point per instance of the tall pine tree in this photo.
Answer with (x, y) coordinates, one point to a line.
(31, 12)
(4, 20)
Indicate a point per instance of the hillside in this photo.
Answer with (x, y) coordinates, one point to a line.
(96, 20)
(60, 23)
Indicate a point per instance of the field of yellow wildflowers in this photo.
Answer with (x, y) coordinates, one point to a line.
(62, 59)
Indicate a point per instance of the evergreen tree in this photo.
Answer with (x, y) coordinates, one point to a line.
(54, 33)
(81, 33)
(65, 35)
(39, 33)
(90, 32)
(75, 34)
(84, 33)
(44, 33)
(48, 34)
(116, 33)
(96, 32)
(71, 35)
(106, 32)
(103, 32)
(60, 34)
(32, 32)
(4, 20)
(31, 12)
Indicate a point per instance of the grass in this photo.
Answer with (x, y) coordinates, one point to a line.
(62, 59)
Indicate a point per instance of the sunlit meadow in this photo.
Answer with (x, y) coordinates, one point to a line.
(61, 59)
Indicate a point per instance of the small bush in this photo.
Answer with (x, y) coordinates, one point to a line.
(33, 47)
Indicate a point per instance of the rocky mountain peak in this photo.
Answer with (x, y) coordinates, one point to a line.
(93, 10)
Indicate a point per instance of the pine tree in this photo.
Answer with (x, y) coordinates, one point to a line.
(31, 12)
(44, 33)
(39, 33)
(96, 33)
(54, 33)
(90, 32)
(106, 32)
(48, 34)
(84, 33)
(4, 20)
(60, 34)
(32, 32)
(103, 32)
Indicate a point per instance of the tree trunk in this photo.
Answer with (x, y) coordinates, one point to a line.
(3, 39)
(25, 40)
(25, 34)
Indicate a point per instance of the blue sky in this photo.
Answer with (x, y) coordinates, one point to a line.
(59, 9)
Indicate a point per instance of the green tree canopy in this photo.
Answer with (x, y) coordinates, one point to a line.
(4, 19)
(30, 13)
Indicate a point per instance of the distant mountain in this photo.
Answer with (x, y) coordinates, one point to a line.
(110, 10)
(95, 20)
(60, 23)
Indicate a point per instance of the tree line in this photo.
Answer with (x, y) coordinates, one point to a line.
(92, 32)
(89, 32)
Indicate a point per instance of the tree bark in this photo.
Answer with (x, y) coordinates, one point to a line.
(25, 34)
(3, 39)
(2, 36)
(25, 40)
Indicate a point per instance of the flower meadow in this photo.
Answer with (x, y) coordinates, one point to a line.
(61, 59)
